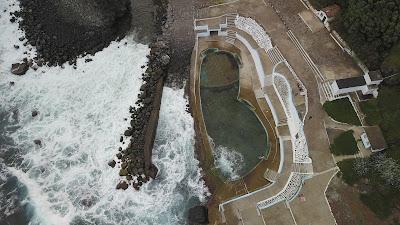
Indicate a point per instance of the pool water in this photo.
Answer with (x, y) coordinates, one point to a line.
(238, 137)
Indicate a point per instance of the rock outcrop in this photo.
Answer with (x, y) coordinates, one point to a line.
(19, 68)
(62, 30)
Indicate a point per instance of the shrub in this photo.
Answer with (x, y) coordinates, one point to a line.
(349, 175)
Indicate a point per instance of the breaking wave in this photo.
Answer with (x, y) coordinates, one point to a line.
(81, 116)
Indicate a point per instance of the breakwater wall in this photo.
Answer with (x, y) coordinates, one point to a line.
(135, 161)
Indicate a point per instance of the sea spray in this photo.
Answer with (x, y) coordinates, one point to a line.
(228, 161)
(81, 116)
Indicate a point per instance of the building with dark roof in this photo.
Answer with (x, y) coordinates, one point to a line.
(351, 82)
(367, 84)
(373, 139)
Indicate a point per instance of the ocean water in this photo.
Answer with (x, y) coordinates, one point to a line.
(81, 117)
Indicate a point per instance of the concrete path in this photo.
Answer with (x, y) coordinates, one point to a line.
(318, 143)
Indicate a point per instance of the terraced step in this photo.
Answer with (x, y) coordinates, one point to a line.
(271, 175)
(275, 56)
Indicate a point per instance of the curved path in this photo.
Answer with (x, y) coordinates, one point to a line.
(296, 165)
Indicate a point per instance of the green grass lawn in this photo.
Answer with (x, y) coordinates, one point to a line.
(341, 110)
(344, 144)
(371, 110)
(392, 61)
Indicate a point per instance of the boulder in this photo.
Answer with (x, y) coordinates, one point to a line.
(165, 59)
(152, 172)
(37, 142)
(34, 113)
(19, 68)
(119, 155)
(198, 215)
(112, 163)
(122, 185)
(128, 132)
(123, 172)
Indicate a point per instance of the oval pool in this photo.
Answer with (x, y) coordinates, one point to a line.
(238, 138)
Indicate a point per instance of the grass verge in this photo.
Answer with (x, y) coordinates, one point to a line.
(342, 110)
(344, 144)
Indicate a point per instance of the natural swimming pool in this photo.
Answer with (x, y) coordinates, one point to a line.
(239, 139)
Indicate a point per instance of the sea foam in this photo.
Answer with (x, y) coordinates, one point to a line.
(81, 116)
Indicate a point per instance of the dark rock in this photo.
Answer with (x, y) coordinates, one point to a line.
(60, 37)
(136, 186)
(12, 83)
(37, 142)
(198, 215)
(34, 113)
(152, 171)
(119, 155)
(124, 165)
(165, 59)
(122, 185)
(16, 46)
(128, 132)
(112, 163)
(123, 172)
(147, 101)
(121, 139)
(19, 68)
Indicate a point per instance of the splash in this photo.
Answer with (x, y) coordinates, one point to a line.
(228, 161)
(81, 116)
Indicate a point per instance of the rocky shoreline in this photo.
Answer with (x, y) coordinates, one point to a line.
(63, 30)
(134, 162)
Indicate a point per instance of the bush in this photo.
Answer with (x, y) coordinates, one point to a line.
(349, 175)
(371, 38)
(342, 110)
(344, 144)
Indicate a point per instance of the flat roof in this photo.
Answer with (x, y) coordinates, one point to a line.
(351, 82)
(375, 137)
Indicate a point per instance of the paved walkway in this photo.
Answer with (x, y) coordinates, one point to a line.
(180, 34)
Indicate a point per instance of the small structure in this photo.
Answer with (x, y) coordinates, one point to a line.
(373, 139)
(328, 13)
(367, 84)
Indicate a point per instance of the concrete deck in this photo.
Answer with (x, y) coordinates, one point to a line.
(244, 210)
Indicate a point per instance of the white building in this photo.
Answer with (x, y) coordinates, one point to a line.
(367, 84)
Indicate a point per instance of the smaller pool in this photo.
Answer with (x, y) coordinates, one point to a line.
(238, 137)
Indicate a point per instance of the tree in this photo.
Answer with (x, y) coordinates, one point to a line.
(371, 27)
